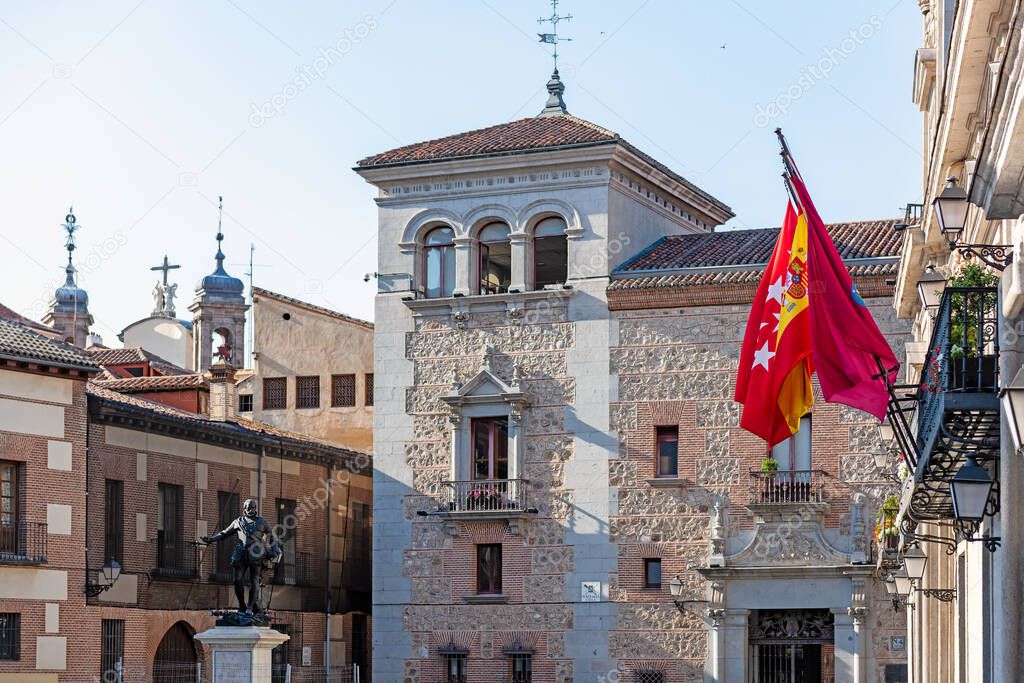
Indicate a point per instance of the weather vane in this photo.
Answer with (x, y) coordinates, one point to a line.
(553, 38)
(71, 228)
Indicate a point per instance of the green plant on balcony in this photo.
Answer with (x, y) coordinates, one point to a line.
(964, 310)
(769, 464)
(886, 531)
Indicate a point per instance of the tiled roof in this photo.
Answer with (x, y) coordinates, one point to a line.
(133, 385)
(524, 135)
(7, 313)
(18, 342)
(853, 240)
(258, 292)
(133, 356)
(536, 134)
(237, 427)
(729, 277)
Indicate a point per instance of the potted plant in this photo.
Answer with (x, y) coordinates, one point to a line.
(886, 532)
(969, 315)
(769, 464)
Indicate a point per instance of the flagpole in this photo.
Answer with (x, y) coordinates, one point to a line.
(787, 157)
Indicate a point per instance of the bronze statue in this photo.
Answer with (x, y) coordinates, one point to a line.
(256, 549)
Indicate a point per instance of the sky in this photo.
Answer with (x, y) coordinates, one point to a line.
(141, 113)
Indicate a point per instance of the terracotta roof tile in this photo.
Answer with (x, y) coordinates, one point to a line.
(133, 385)
(524, 135)
(133, 356)
(18, 342)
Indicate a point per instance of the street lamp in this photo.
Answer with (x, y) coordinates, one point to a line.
(1012, 397)
(951, 209)
(110, 572)
(930, 288)
(970, 490)
(675, 586)
(914, 561)
(881, 457)
(903, 582)
(890, 586)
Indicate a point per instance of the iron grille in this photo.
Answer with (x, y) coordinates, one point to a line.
(343, 391)
(648, 676)
(22, 542)
(307, 392)
(111, 650)
(275, 393)
(10, 636)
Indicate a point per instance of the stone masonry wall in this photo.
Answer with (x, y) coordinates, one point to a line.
(441, 559)
(677, 367)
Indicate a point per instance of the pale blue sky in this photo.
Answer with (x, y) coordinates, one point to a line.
(141, 113)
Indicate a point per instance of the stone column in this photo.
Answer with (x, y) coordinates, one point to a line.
(519, 243)
(728, 651)
(241, 654)
(850, 661)
(464, 266)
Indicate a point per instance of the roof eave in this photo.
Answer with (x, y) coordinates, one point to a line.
(50, 363)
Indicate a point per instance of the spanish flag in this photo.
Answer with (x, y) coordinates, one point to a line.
(774, 381)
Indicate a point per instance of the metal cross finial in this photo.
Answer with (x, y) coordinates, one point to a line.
(71, 228)
(166, 266)
(553, 38)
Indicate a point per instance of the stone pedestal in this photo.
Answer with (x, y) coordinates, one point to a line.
(240, 654)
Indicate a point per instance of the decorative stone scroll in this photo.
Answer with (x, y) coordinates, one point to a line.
(792, 626)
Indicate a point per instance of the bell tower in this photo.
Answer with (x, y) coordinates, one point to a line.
(218, 313)
(69, 308)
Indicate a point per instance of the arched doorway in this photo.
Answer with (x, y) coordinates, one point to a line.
(176, 656)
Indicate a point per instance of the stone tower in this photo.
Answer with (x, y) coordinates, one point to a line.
(69, 309)
(218, 316)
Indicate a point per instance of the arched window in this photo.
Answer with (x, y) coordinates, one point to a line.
(550, 253)
(221, 346)
(495, 258)
(439, 262)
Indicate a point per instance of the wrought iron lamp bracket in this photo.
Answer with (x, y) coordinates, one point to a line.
(93, 589)
(940, 594)
(997, 256)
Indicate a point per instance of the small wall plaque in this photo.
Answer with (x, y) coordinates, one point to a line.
(590, 591)
(897, 643)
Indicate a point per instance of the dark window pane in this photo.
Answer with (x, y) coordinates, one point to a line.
(227, 511)
(113, 520)
(307, 392)
(275, 393)
(495, 267)
(245, 403)
(488, 568)
(343, 390)
(550, 261)
(111, 648)
(668, 451)
(368, 388)
(490, 448)
(10, 636)
(652, 573)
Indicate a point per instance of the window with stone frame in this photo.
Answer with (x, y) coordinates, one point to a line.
(488, 569)
(455, 667)
(343, 391)
(648, 676)
(495, 258)
(10, 636)
(368, 389)
(652, 572)
(307, 392)
(490, 448)
(439, 263)
(275, 393)
(245, 403)
(667, 464)
(550, 253)
(794, 454)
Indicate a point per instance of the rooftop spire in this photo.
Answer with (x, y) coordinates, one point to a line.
(220, 237)
(69, 244)
(555, 105)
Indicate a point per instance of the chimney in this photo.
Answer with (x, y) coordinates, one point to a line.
(93, 339)
(222, 392)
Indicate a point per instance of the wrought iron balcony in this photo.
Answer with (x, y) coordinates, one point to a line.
(487, 496)
(22, 542)
(175, 560)
(295, 571)
(786, 487)
(953, 413)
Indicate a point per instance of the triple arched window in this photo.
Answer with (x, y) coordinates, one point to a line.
(494, 262)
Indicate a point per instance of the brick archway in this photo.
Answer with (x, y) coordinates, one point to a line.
(176, 655)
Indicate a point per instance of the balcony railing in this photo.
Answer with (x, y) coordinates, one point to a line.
(22, 542)
(297, 572)
(484, 496)
(784, 487)
(175, 560)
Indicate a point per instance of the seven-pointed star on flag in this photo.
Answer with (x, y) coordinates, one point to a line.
(776, 290)
(762, 356)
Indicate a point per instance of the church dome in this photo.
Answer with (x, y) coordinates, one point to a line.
(70, 295)
(220, 283)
